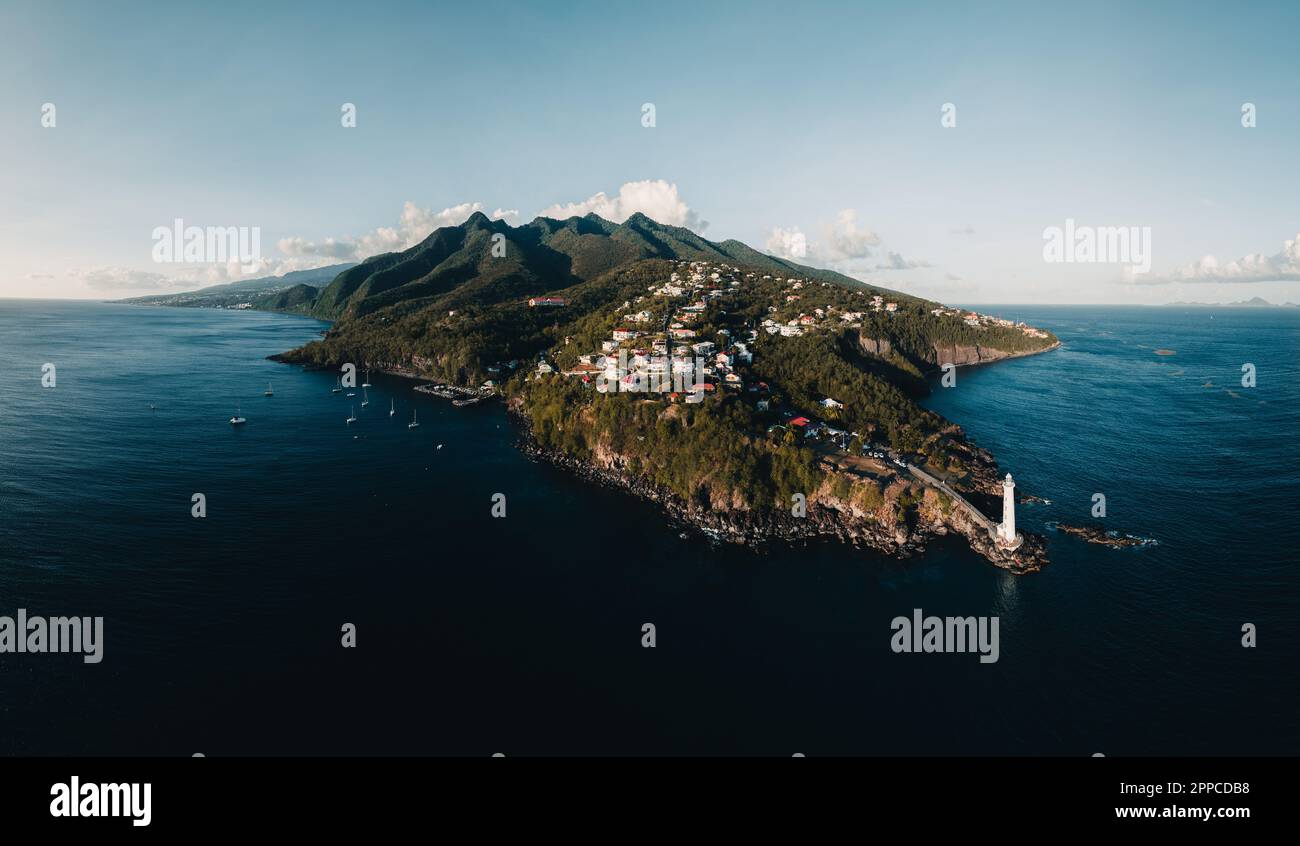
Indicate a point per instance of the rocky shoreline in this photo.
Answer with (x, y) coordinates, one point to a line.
(822, 521)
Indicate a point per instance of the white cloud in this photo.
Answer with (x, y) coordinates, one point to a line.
(846, 241)
(787, 244)
(844, 246)
(330, 247)
(413, 226)
(1282, 267)
(655, 198)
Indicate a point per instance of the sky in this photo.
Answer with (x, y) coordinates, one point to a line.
(925, 147)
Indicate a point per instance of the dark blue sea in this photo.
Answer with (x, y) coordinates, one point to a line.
(522, 635)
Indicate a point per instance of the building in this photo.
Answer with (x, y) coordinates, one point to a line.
(1006, 536)
(547, 301)
(585, 368)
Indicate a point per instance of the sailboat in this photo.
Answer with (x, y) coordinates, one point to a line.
(353, 418)
(414, 423)
(365, 397)
(392, 407)
(366, 384)
(338, 386)
(238, 419)
(269, 392)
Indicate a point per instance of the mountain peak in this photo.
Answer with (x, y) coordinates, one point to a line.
(547, 255)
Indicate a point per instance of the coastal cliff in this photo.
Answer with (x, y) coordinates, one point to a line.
(962, 355)
(895, 515)
(932, 358)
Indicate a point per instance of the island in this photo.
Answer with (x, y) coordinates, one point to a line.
(751, 397)
(1253, 302)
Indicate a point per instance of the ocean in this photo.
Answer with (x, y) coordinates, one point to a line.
(522, 635)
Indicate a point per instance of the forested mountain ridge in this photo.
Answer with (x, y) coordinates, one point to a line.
(545, 254)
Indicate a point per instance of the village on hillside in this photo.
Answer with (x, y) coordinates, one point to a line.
(661, 343)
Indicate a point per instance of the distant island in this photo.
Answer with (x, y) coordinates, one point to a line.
(751, 397)
(289, 293)
(1253, 302)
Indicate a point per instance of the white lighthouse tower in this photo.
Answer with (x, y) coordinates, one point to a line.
(1007, 536)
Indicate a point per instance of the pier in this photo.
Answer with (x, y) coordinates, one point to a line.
(459, 396)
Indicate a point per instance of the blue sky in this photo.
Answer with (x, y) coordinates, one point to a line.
(769, 119)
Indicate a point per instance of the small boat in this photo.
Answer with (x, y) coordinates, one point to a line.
(238, 419)
(414, 422)
(353, 418)
(269, 392)
(439, 446)
(352, 393)
(392, 407)
(365, 397)
(338, 387)
(366, 384)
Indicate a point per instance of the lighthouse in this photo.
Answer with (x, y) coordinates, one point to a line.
(1007, 528)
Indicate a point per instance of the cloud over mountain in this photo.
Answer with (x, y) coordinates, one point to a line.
(413, 226)
(655, 198)
(843, 245)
